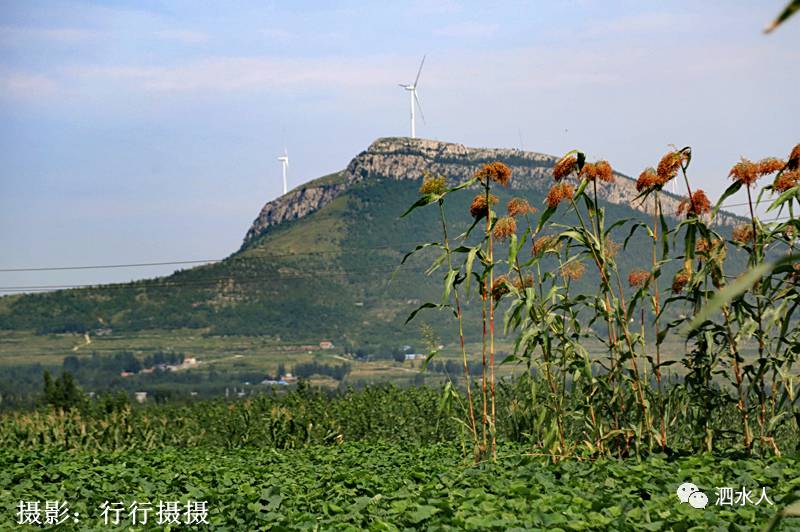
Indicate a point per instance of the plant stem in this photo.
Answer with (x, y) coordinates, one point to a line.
(460, 327)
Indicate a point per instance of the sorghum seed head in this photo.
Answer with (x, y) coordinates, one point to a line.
(680, 281)
(564, 167)
(526, 282)
(558, 193)
(545, 243)
(433, 184)
(647, 179)
(603, 171)
(638, 278)
(785, 181)
(500, 287)
(745, 171)
(496, 171)
(668, 167)
(517, 206)
(600, 170)
(573, 270)
(478, 209)
(794, 158)
(697, 205)
(504, 227)
(770, 165)
(743, 233)
(611, 248)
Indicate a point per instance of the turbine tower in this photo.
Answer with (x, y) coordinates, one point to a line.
(284, 159)
(414, 99)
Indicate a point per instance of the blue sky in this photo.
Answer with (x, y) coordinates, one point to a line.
(147, 131)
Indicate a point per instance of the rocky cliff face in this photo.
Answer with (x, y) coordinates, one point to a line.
(407, 158)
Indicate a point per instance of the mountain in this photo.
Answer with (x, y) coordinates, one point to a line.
(321, 262)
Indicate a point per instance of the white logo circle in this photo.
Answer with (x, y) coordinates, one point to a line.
(685, 490)
(698, 500)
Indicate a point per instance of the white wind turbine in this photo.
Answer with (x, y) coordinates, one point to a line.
(284, 159)
(414, 99)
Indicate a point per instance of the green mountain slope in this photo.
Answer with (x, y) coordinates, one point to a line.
(329, 273)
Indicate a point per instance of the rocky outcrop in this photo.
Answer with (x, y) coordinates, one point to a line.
(407, 158)
(294, 204)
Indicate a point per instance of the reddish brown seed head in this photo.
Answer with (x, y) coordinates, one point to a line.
(647, 179)
(526, 282)
(545, 243)
(787, 180)
(680, 281)
(500, 287)
(496, 171)
(794, 158)
(638, 278)
(702, 246)
(770, 165)
(603, 171)
(743, 234)
(517, 206)
(478, 209)
(611, 248)
(504, 227)
(588, 172)
(668, 167)
(558, 193)
(573, 270)
(564, 167)
(745, 172)
(697, 205)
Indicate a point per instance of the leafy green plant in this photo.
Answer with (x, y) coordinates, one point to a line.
(740, 335)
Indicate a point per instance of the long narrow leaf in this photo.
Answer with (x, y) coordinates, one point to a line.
(738, 287)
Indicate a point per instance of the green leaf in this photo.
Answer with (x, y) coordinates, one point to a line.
(426, 199)
(730, 191)
(787, 12)
(546, 215)
(468, 266)
(448, 285)
(783, 198)
(421, 307)
(738, 287)
(418, 248)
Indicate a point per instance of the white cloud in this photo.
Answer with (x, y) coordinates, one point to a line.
(16, 35)
(183, 36)
(467, 30)
(22, 85)
(644, 23)
(246, 73)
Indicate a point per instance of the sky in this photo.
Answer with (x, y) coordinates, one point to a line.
(148, 131)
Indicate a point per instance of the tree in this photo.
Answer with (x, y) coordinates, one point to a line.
(63, 393)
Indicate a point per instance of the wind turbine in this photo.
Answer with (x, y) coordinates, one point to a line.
(414, 99)
(284, 159)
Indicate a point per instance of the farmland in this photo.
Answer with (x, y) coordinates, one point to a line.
(381, 486)
(379, 459)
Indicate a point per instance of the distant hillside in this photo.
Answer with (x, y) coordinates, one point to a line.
(317, 262)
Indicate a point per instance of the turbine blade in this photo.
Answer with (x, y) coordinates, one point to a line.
(419, 71)
(419, 106)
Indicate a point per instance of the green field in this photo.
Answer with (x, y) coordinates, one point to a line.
(396, 487)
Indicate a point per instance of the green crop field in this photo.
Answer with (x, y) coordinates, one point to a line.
(377, 486)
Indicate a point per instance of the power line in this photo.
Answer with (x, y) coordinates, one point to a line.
(108, 266)
(207, 261)
(207, 283)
